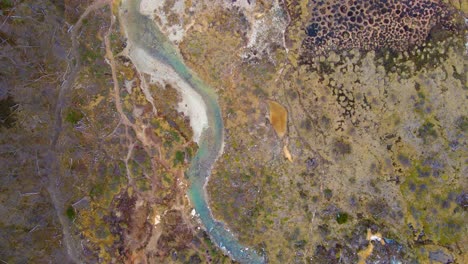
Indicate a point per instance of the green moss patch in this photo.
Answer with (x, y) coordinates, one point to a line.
(70, 213)
(179, 158)
(5, 4)
(73, 116)
(341, 218)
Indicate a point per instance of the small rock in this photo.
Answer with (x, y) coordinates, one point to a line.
(311, 163)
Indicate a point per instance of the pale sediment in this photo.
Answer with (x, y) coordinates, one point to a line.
(192, 104)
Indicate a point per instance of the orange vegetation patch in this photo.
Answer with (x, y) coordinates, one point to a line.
(365, 253)
(278, 118)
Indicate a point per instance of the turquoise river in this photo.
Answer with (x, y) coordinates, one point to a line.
(144, 34)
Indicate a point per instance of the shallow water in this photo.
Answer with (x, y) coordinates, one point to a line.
(142, 33)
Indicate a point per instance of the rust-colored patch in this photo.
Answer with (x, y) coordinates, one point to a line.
(278, 118)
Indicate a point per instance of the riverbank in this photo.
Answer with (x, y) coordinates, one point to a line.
(153, 54)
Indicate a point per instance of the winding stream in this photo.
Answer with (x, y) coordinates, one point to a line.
(152, 53)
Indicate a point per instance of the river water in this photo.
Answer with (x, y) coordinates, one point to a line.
(143, 34)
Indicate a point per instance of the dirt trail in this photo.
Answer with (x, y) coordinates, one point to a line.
(74, 250)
